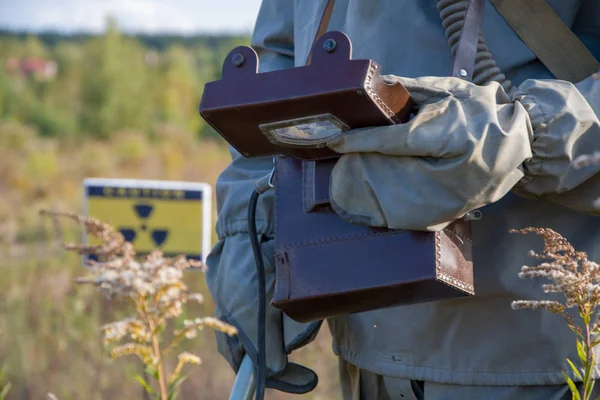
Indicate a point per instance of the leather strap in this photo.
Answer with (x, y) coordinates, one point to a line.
(325, 18)
(534, 21)
(466, 51)
(554, 44)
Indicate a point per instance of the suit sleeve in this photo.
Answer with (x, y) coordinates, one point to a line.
(273, 40)
(565, 166)
(273, 37)
(231, 276)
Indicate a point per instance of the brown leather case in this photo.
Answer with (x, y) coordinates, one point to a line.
(326, 266)
(333, 83)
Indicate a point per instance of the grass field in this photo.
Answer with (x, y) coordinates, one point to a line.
(49, 327)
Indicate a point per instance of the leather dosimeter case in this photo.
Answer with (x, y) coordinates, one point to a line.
(350, 91)
(326, 266)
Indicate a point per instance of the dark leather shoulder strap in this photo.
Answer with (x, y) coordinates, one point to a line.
(554, 44)
(323, 24)
(466, 51)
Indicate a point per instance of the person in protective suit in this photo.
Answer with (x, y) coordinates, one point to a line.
(505, 146)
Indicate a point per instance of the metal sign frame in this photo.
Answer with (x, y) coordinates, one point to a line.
(205, 188)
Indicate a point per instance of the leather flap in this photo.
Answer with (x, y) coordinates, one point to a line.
(315, 183)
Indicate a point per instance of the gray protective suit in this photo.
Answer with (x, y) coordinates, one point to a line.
(509, 155)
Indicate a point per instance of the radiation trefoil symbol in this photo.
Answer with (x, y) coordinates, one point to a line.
(143, 212)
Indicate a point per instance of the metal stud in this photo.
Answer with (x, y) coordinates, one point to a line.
(462, 72)
(329, 45)
(474, 215)
(237, 59)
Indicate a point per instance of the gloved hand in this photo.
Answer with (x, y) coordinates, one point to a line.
(232, 280)
(463, 149)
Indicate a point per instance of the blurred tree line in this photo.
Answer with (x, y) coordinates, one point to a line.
(103, 84)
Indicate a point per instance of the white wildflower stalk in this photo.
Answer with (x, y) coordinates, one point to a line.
(184, 358)
(153, 286)
(578, 280)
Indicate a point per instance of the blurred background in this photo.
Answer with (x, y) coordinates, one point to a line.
(103, 88)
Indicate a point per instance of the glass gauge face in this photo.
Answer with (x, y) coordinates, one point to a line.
(308, 132)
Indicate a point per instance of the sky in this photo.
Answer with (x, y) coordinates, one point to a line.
(148, 16)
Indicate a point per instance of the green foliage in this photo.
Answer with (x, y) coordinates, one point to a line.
(41, 166)
(173, 389)
(16, 137)
(109, 83)
(114, 85)
(586, 378)
(178, 96)
(51, 122)
(133, 147)
(139, 379)
(8, 97)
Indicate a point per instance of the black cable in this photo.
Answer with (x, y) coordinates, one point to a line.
(261, 362)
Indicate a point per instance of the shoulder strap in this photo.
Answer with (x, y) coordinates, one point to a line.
(554, 44)
(534, 21)
(466, 50)
(467, 46)
(323, 24)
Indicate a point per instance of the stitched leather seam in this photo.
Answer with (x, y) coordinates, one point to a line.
(438, 254)
(443, 277)
(375, 97)
(276, 224)
(460, 236)
(456, 283)
(326, 240)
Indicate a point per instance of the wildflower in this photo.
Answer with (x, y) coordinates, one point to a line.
(191, 326)
(186, 357)
(139, 332)
(116, 331)
(190, 334)
(577, 279)
(153, 287)
(169, 275)
(145, 353)
(197, 297)
(552, 306)
(214, 323)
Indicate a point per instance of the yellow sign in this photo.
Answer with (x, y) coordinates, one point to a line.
(174, 217)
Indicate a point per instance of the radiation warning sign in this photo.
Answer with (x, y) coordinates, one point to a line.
(173, 217)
